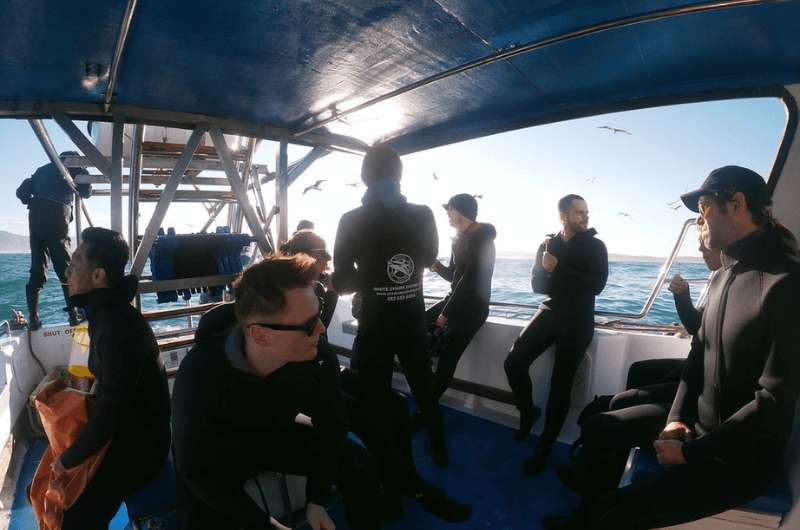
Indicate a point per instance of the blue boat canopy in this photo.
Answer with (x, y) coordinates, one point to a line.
(450, 70)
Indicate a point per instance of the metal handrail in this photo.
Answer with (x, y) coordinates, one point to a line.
(7, 325)
(660, 281)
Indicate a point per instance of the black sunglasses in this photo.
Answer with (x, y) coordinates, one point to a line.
(308, 326)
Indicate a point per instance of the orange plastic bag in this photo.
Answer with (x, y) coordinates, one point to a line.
(64, 404)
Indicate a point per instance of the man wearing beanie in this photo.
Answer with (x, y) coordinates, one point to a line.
(462, 312)
(381, 251)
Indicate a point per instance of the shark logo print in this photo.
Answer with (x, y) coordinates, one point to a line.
(399, 268)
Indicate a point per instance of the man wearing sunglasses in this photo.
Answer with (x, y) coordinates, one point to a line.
(237, 396)
(734, 410)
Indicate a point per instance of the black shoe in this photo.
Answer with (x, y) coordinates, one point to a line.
(34, 323)
(526, 420)
(535, 464)
(439, 451)
(435, 501)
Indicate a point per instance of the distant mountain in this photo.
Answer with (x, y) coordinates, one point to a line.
(13, 243)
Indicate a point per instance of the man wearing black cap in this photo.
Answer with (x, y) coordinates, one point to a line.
(49, 200)
(381, 250)
(571, 267)
(462, 312)
(731, 419)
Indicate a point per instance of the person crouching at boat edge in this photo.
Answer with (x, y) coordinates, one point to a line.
(382, 249)
(571, 268)
(132, 407)
(237, 397)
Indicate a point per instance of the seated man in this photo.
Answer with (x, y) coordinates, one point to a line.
(132, 406)
(733, 414)
(253, 370)
(611, 425)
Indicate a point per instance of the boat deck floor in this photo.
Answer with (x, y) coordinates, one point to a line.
(484, 472)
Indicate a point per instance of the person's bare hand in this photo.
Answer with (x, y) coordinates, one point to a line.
(549, 262)
(277, 524)
(669, 452)
(318, 518)
(441, 321)
(676, 431)
(57, 467)
(678, 285)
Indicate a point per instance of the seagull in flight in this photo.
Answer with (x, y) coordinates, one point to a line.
(614, 130)
(353, 184)
(315, 186)
(675, 207)
(434, 176)
(625, 214)
(591, 180)
(478, 196)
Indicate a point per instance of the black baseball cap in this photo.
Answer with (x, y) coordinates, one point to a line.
(465, 204)
(731, 179)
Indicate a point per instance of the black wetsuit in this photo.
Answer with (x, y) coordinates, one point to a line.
(49, 200)
(381, 252)
(467, 306)
(738, 393)
(132, 406)
(566, 318)
(230, 425)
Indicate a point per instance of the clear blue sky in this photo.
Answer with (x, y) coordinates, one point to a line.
(520, 174)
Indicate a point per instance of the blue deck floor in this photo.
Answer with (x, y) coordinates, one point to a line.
(484, 472)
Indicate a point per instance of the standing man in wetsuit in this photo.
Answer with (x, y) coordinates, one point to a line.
(381, 251)
(462, 312)
(255, 367)
(731, 419)
(571, 267)
(131, 412)
(49, 200)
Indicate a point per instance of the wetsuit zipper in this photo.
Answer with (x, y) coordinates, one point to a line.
(720, 349)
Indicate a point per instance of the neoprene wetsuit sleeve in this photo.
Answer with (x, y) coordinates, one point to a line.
(25, 190)
(687, 313)
(769, 415)
(447, 272)
(540, 278)
(480, 265)
(594, 278)
(684, 406)
(120, 368)
(345, 274)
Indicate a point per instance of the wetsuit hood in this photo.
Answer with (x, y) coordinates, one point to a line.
(97, 298)
(485, 231)
(762, 246)
(216, 322)
(385, 192)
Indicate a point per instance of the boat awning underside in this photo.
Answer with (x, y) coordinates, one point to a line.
(289, 64)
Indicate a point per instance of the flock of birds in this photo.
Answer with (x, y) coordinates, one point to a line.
(674, 205)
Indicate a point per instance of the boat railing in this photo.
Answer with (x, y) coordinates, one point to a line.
(658, 285)
(5, 328)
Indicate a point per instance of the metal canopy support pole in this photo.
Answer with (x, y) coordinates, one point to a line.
(117, 58)
(300, 166)
(167, 195)
(78, 227)
(47, 144)
(246, 166)
(116, 174)
(84, 144)
(215, 211)
(282, 190)
(134, 183)
(239, 189)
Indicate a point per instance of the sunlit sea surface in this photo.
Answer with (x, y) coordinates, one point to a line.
(628, 287)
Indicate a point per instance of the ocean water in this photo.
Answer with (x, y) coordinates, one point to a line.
(629, 284)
